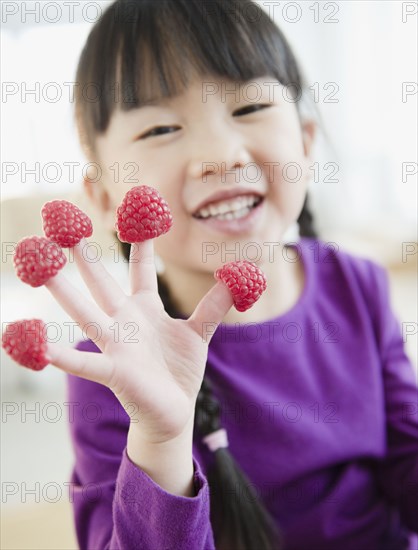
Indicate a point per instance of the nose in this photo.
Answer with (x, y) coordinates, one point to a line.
(216, 156)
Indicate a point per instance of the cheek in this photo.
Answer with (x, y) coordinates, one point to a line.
(165, 179)
(163, 183)
(281, 139)
(289, 195)
(288, 184)
(286, 168)
(175, 243)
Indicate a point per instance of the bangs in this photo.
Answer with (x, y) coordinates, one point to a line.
(146, 50)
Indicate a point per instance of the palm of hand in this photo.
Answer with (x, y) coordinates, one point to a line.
(154, 364)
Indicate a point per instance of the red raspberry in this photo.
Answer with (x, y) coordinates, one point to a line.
(65, 223)
(37, 259)
(245, 280)
(143, 215)
(25, 342)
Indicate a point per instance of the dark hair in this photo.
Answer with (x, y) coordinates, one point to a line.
(169, 40)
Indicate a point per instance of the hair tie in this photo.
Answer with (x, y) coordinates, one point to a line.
(216, 440)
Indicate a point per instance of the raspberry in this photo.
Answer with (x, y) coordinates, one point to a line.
(64, 223)
(245, 280)
(25, 342)
(143, 215)
(37, 259)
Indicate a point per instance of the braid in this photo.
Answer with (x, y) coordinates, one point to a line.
(226, 478)
(208, 410)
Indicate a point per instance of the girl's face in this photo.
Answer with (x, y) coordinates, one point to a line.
(214, 137)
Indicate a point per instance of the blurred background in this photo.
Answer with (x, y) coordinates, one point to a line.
(360, 62)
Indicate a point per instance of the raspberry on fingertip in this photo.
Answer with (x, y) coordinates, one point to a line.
(143, 215)
(37, 259)
(64, 223)
(25, 341)
(245, 280)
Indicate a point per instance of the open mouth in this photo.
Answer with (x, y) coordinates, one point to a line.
(230, 210)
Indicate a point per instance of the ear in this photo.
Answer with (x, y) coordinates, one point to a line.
(100, 198)
(308, 136)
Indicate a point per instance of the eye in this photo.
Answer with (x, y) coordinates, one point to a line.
(251, 109)
(157, 131)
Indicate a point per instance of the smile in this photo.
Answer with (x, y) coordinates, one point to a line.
(242, 219)
(230, 209)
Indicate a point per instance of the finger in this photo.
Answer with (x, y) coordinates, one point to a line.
(86, 364)
(210, 311)
(92, 320)
(142, 270)
(103, 287)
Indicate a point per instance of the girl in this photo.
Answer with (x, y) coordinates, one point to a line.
(292, 425)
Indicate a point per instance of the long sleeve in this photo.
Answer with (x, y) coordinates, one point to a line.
(397, 474)
(117, 505)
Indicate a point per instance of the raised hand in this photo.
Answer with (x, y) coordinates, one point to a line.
(157, 363)
(154, 364)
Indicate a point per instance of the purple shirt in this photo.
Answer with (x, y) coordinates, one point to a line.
(321, 409)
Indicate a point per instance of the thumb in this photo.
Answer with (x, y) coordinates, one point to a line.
(210, 311)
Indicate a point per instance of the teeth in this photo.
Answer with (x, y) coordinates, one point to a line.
(221, 209)
(204, 213)
(234, 215)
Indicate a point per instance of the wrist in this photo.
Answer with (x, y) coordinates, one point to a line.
(144, 436)
(169, 463)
